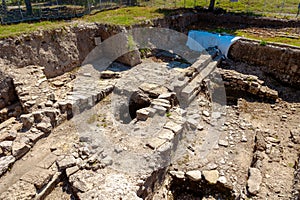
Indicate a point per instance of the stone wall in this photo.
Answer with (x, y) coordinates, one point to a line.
(58, 50)
(63, 49)
(280, 61)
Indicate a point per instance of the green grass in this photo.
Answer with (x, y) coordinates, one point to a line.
(124, 16)
(265, 7)
(266, 39)
(263, 39)
(131, 15)
(17, 29)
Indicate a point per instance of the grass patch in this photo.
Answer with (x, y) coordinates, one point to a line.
(266, 39)
(263, 43)
(132, 15)
(17, 29)
(124, 16)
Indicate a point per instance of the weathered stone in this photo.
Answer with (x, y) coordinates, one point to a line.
(164, 104)
(107, 161)
(20, 190)
(211, 176)
(223, 143)
(272, 140)
(51, 113)
(35, 136)
(49, 103)
(83, 180)
(163, 101)
(151, 111)
(27, 120)
(8, 135)
(159, 109)
(142, 114)
(194, 175)
(48, 161)
(97, 40)
(295, 134)
(19, 148)
(5, 163)
(66, 162)
(222, 179)
(49, 187)
(166, 134)
(6, 146)
(46, 127)
(58, 83)
(260, 141)
(244, 138)
(169, 96)
(131, 58)
(37, 115)
(254, 181)
(177, 174)
(71, 170)
(38, 177)
(155, 143)
(206, 113)
(153, 90)
(176, 128)
(192, 122)
(200, 127)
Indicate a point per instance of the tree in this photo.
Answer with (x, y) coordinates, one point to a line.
(28, 7)
(211, 5)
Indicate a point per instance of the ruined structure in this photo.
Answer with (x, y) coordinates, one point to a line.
(70, 130)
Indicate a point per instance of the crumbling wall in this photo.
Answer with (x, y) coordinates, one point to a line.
(58, 50)
(280, 61)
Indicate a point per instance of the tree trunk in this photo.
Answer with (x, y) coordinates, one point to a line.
(211, 5)
(28, 7)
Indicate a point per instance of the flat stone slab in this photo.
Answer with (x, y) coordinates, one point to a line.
(38, 177)
(166, 134)
(19, 149)
(19, 190)
(5, 163)
(254, 181)
(65, 162)
(176, 128)
(194, 175)
(155, 143)
(47, 162)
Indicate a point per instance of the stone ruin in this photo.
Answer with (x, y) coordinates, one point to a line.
(126, 133)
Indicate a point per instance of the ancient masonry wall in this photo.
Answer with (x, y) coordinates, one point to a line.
(280, 61)
(63, 49)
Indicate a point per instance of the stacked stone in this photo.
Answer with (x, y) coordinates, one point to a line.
(249, 83)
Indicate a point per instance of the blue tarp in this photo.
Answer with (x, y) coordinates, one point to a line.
(201, 40)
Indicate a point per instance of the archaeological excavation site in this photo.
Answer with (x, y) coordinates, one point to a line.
(160, 110)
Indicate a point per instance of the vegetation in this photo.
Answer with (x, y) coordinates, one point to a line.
(263, 43)
(124, 16)
(131, 15)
